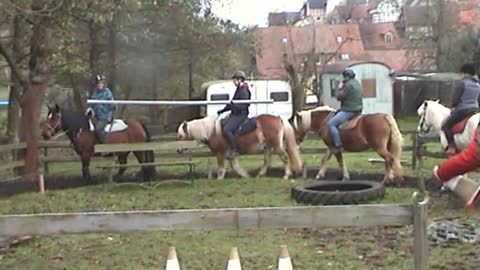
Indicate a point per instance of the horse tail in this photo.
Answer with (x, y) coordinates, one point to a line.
(395, 145)
(292, 146)
(149, 155)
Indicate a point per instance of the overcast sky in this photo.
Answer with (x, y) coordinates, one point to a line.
(252, 12)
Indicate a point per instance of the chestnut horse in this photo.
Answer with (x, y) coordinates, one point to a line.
(78, 128)
(378, 131)
(268, 132)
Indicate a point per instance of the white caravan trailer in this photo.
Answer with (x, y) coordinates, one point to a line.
(279, 91)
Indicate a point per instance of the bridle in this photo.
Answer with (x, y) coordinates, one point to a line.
(423, 127)
(57, 126)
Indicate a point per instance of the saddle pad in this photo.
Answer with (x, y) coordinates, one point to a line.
(352, 123)
(248, 126)
(349, 124)
(118, 125)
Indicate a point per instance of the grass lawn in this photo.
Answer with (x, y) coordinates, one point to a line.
(330, 248)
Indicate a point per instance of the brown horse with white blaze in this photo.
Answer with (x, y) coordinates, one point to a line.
(376, 131)
(268, 134)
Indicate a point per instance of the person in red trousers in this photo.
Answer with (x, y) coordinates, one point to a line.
(450, 173)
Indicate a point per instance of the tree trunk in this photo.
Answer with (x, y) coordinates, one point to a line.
(94, 51)
(13, 118)
(112, 54)
(39, 75)
(77, 94)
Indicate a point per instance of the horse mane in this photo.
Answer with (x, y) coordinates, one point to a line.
(202, 129)
(307, 115)
(73, 121)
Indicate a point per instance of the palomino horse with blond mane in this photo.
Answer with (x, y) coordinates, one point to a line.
(265, 132)
(433, 114)
(378, 131)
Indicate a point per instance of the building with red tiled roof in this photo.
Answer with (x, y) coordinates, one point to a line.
(329, 43)
(349, 14)
(380, 36)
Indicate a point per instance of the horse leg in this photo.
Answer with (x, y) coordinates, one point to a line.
(122, 160)
(237, 169)
(220, 167)
(343, 166)
(323, 165)
(389, 159)
(142, 158)
(267, 162)
(86, 170)
(286, 161)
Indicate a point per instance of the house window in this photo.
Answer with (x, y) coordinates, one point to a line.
(344, 56)
(369, 88)
(388, 37)
(279, 96)
(334, 83)
(215, 97)
(339, 39)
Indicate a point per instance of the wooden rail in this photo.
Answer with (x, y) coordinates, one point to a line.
(230, 218)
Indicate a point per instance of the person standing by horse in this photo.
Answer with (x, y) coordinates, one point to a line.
(350, 96)
(238, 112)
(450, 172)
(103, 113)
(465, 101)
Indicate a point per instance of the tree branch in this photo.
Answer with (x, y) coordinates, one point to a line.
(13, 67)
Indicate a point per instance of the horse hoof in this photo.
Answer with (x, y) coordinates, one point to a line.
(286, 177)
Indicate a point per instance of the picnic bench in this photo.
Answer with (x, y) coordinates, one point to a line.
(166, 148)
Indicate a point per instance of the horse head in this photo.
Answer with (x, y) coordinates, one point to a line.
(199, 129)
(299, 126)
(429, 112)
(182, 132)
(54, 122)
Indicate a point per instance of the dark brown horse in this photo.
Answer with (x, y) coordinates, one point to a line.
(78, 128)
(268, 133)
(378, 131)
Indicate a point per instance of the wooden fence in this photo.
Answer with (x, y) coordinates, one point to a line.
(49, 156)
(231, 219)
(419, 149)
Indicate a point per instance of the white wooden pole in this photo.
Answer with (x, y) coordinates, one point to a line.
(177, 102)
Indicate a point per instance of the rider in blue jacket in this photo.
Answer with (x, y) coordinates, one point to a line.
(103, 112)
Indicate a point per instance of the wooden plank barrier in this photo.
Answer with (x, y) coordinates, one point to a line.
(230, 219)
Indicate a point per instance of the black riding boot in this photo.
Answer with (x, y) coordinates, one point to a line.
(232, 151)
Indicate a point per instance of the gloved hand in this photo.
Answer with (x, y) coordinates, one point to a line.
(219, 112)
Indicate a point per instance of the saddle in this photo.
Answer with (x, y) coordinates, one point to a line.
(460, 126)
(114, 126)
(245, 127)
(349, 124)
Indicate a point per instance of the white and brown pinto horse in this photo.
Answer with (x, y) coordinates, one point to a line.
(378, 131)
(269, 135)
(433, 114)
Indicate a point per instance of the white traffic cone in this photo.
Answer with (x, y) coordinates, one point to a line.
(233, 262)
(172, 260)
(284, 261)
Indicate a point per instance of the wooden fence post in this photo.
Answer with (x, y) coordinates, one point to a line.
(45, 162)
(414, 151)
(420, 241)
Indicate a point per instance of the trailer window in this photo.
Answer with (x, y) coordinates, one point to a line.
(279, 96)
(215, 97)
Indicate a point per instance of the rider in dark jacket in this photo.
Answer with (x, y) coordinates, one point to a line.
(464, 101)
(239, 112)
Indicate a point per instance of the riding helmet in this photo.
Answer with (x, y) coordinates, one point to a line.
(239, 75)
(348, 73)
